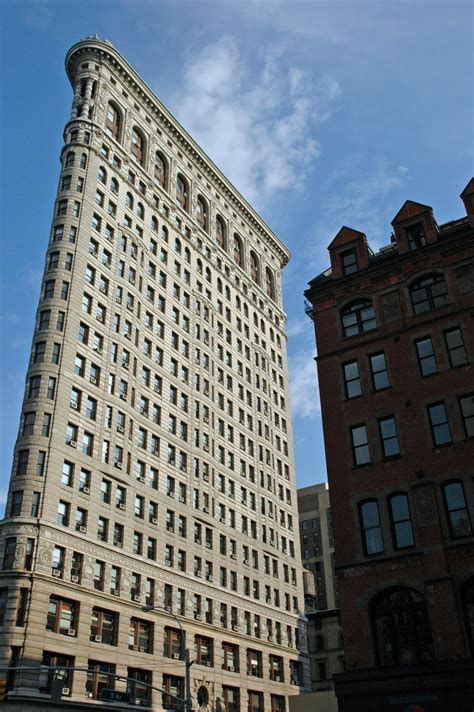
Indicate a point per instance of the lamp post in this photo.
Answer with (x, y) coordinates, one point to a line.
(185, 651)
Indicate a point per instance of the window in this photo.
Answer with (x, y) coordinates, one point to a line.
(440, 431)
(201, 213)
(360, 445)
(238, 251)
(358, 317)
(62, 516)
(370, 527)
(456, 509)
(269, 284)
(137, 686)
(174, 689)
(50, 661)
(203, 650)
(428, 292)
(61, 617)
(389, 437)
(254, 270)
(99, 676)
(416, 236)
(230, 657)
(379, 372)
(231, 697)
(137, 146)
(401, 628)
(104, 626)
(402, 530)
(172, 643)
(220, 232)
(140, 635)
(254, 663)
(277, 703)
(349, 262)
(16, 502)
(466, 403)
(112, 122)
(255, 701)
(160, 169)
(9, 553)
(352, 381)
(455, 346)
(182, 192)
(426, 356)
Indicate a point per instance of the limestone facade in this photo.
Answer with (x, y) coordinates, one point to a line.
(153, 475)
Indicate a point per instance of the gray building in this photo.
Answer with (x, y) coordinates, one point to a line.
(325, 643)
(152, 500)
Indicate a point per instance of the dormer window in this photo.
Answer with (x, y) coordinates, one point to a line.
(349, 262)
(416, 236)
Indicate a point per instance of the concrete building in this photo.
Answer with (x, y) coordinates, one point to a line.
(325, 645)
(395, 342)
(153, 480)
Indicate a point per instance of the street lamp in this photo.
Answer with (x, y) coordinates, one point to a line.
(185, 651)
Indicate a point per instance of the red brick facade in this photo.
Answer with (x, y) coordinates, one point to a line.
(395, 340)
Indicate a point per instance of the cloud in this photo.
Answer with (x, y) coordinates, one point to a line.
(304, 385)
(256, 124)
(39, 14)
(296, 327)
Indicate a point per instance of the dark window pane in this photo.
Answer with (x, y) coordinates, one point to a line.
(426, 357)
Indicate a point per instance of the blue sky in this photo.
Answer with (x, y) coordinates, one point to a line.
(321, 113)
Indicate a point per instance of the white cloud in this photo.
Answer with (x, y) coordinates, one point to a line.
(296, 327)
(257, 126)
(304, 385)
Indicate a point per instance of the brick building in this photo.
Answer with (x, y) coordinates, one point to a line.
(395, 344)
(152, 500)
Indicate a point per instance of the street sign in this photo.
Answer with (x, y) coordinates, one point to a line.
(114, 696)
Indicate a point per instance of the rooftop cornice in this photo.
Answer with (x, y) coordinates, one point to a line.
(107, 51)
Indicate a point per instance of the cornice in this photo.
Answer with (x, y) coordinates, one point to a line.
(107, 52)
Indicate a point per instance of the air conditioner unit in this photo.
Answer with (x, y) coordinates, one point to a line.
(154, 451)
(125, 365)
(121, 506)
(235, 626)
(65, 691)
(93, 379)
(233, 556)
(208, 544)
(246, 561)
(72, 443)
(205, 478)
(71, 631)
(122, 396)
(120, 429)
(98, 638)
(102, 289)
(136, 647)
(118, 300)
(167, 608)
(270, 638)
(99, 317)
(132, 281)
(167, 562)
(176, 656)
(206, 418)
(157, 389)
(205, 448)
(86, 490)
(115, 592)
(209, 577)
(208, 663)
(118, 465)
(277, 678)
(98, 349)
(75, 579)
(74, 405)
(205, 509)
(170, 494)
(136, 598)
(154, 520)
(197, 616)
(140, 479)
(143, 649)
(198, 574)
(82, 529)
(182, 499)
(56, 572)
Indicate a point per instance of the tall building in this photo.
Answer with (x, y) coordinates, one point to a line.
(153, 479)
(325, 646)
(395, 344)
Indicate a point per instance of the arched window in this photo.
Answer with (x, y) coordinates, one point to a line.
(69, 162)
(201, 213)
(238, 251)
(113, 121)
(467, 602)
(220, 232)
(129, 201)
(227, 292)
(402, 629)
(83, 161)
(254, 271)
(154, 223)
(269, 284)
(102, 175)
(199, 266)
(456, 509)
(137, 146)
(182, 192)
(114, 185)
(400, 519)
(219, 285)
(140, 211)
(187, 255)
(428, 293)
(160, 169)
(208, 275)
(370, 527)
(177, 246)
(358, 317)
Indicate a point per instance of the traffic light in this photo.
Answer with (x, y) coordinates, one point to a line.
(3, 690)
